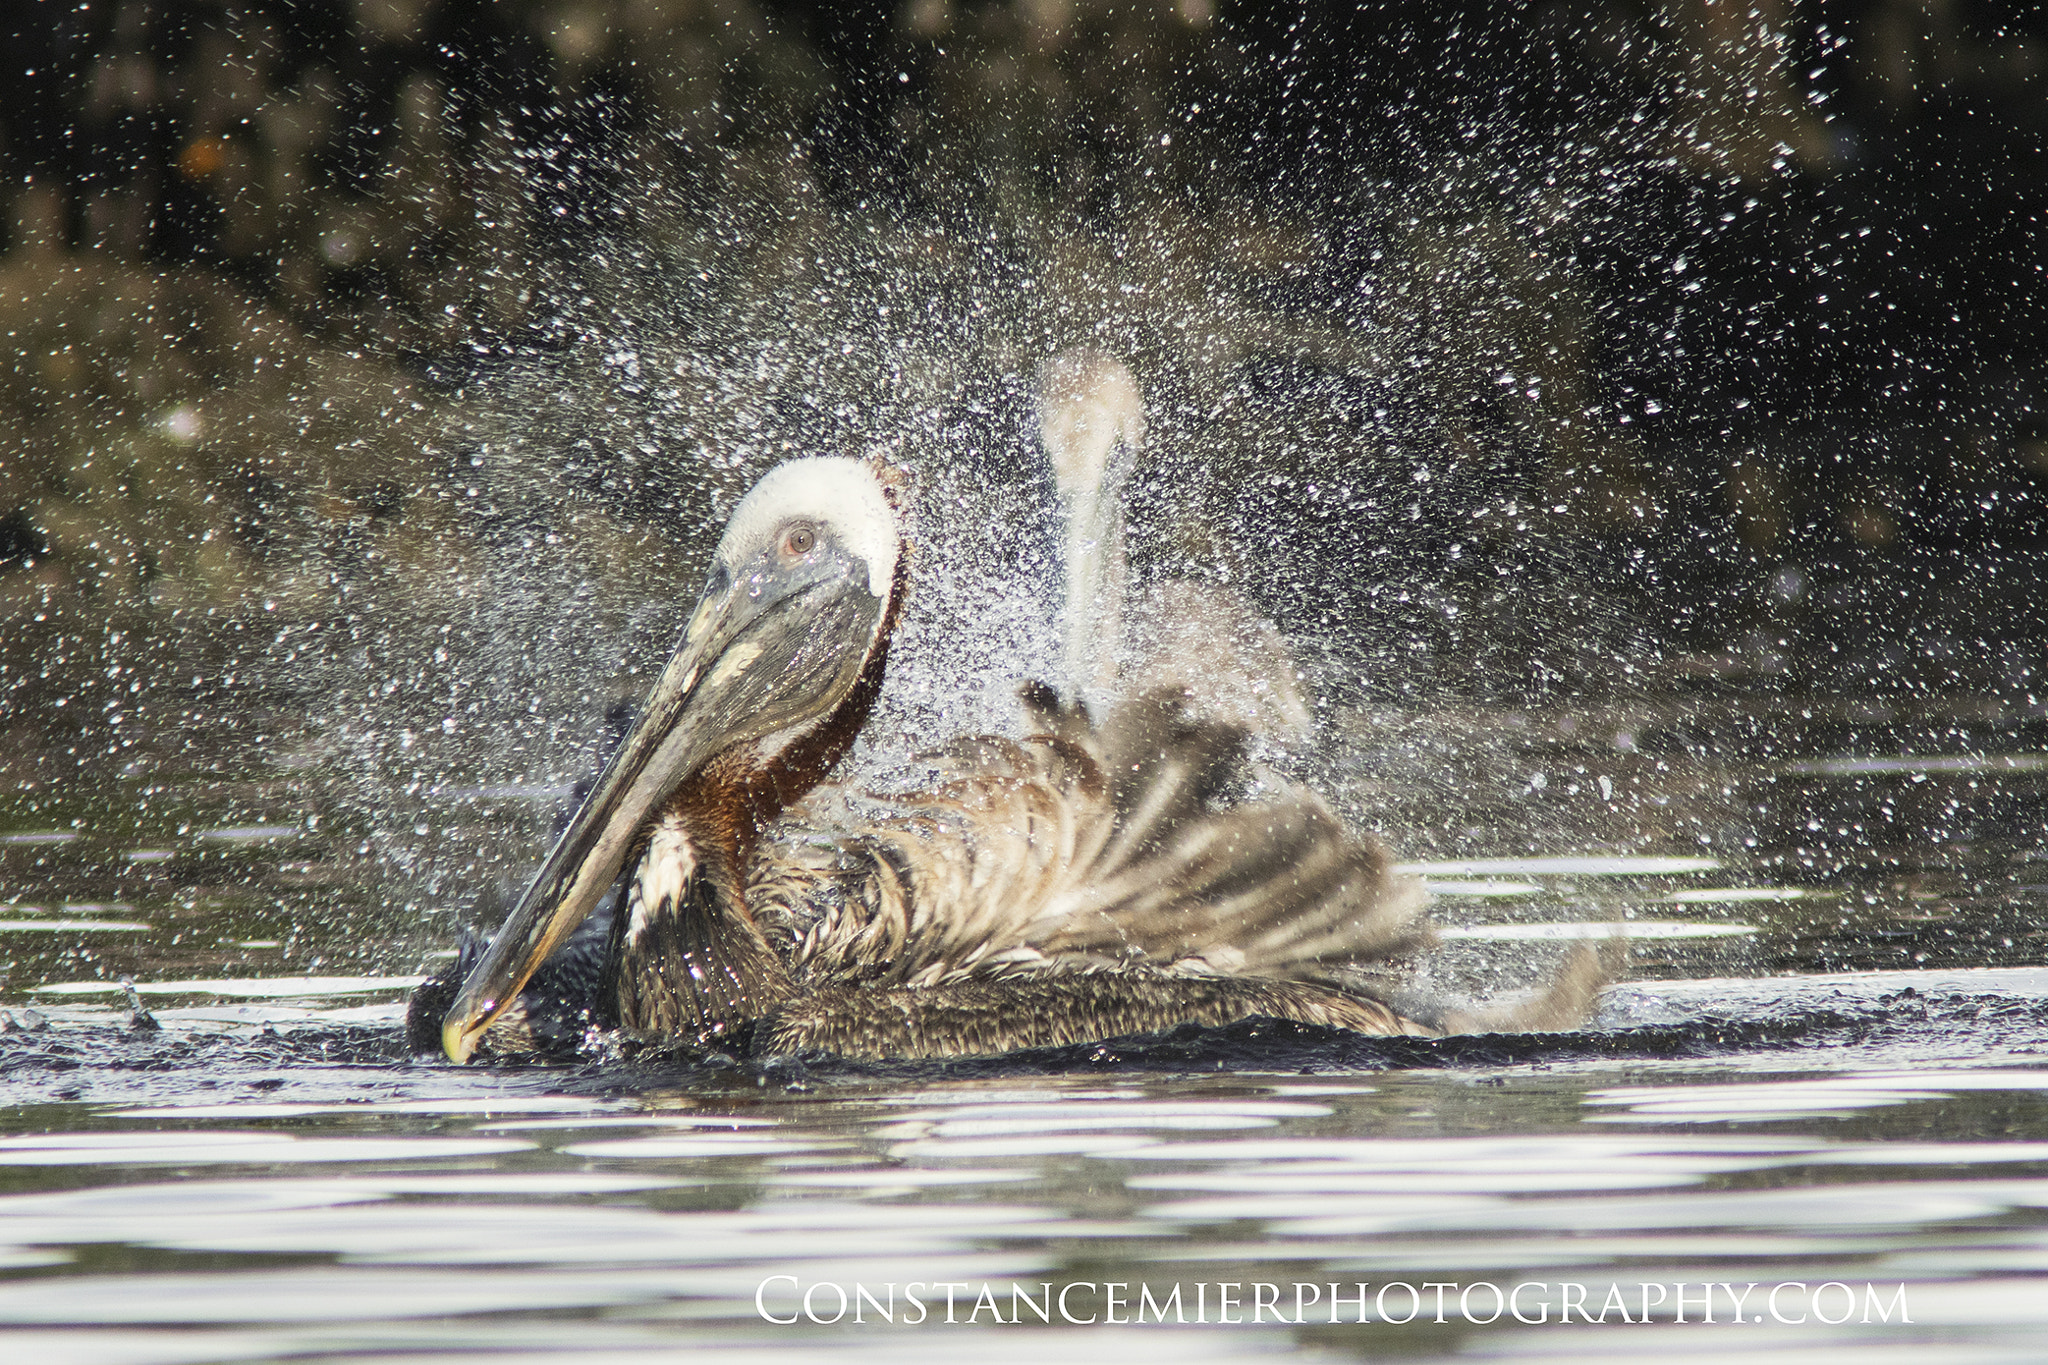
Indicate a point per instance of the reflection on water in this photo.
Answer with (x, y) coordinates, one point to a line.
(1566, 867)
(1581, 929)
(248, 988)
(376, 1208)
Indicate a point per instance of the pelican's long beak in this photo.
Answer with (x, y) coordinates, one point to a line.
(768, 648)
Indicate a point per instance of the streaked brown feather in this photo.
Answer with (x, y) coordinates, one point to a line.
(1087, 863)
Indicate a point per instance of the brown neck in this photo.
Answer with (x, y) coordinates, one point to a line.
(690, 959)
(765, 792)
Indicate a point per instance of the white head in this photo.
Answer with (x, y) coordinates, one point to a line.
(839, 496)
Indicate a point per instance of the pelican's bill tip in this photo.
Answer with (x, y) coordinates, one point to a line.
(459, 1041)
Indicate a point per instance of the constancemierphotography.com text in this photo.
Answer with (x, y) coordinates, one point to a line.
(788, 1300)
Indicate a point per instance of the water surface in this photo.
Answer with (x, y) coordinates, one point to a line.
(1822, 1066)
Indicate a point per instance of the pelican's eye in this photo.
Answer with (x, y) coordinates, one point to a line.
(797, 540)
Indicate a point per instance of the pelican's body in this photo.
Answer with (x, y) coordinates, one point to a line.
(1077, 885)
(1087, 882)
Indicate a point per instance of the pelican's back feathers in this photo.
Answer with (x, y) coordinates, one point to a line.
(1086, 848)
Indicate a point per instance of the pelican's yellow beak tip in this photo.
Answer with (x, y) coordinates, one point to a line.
(458, 1042)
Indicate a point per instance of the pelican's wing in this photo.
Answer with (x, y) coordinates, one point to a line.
(1089, 846)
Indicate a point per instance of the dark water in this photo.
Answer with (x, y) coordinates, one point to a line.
(1823, 1066)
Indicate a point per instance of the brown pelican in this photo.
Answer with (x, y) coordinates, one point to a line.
(1086, 882)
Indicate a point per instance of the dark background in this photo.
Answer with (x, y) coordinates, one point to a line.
(1917, 195)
